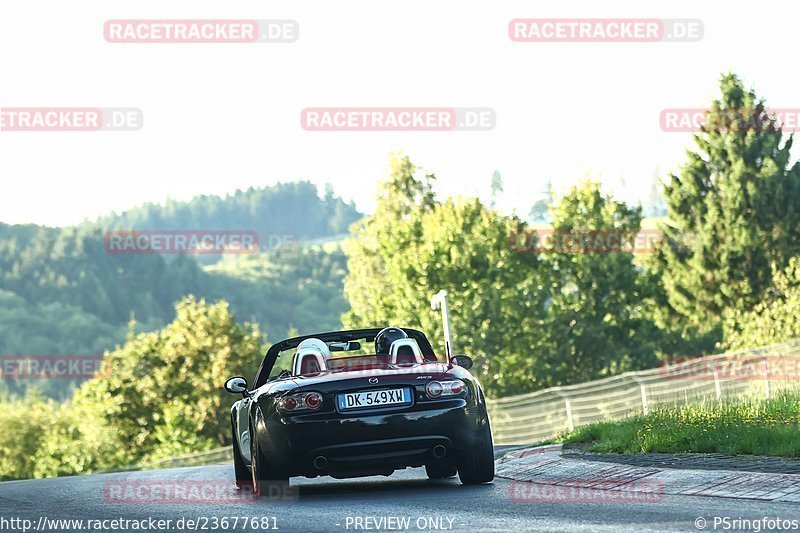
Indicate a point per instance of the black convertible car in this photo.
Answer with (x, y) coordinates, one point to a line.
(323, 405)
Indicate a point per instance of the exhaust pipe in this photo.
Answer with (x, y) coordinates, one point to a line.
(320, 462)
(439, 451)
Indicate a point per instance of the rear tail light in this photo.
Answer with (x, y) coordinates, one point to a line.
(445, 388)
(313, 400)
(288, 404)
(307, 401)
(434, 389)
(457, 386)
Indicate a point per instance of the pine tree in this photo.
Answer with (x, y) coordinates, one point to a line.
(497, 186)
(734, 210)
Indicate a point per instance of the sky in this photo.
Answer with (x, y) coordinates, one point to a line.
(221, 116)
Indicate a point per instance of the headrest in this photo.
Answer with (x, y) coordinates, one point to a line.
(315, 344)
(404, 345)
(302, 355)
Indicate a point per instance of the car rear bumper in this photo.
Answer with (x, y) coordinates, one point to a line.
(366, 444)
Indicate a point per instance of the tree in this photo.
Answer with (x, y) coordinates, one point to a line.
(733, 211)
(772, 320)
(497, 186)
(540, 211)
(656, 207)
(271, 209)
(62, 293)
(407, 189)
(596, 323)
(396, 263)
(23, 426)
(79, 440)
(163, 393)
(401, 198)
(531, 320)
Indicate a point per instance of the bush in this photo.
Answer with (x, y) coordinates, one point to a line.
(750, 427)
(774, 319)
(162, 397)
(23, 426)
(79, 441)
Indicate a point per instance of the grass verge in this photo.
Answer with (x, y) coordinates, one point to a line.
(742, 427)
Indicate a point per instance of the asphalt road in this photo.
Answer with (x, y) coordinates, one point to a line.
(325, 504)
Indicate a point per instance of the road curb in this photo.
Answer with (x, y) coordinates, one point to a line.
(538, 467)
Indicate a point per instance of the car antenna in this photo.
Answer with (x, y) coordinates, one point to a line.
(439, 300)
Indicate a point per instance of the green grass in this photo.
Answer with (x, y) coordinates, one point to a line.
(743, 427)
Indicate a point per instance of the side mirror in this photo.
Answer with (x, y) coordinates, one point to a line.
(236, 385)
(463, 361)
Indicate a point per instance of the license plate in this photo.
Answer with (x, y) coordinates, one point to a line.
(360, 400)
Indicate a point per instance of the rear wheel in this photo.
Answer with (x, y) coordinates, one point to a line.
(477, 464)
(264, 474)
(440, 471)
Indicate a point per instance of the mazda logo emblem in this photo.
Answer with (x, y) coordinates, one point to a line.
(373, 380)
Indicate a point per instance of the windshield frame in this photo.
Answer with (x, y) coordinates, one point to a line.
(263, 375)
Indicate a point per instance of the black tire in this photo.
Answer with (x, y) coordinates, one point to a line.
(243, 477)
(264, 474)
(440, 471)
(477, 463)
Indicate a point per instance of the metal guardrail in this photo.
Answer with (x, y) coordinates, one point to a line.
(533, 417)
(210, 457)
